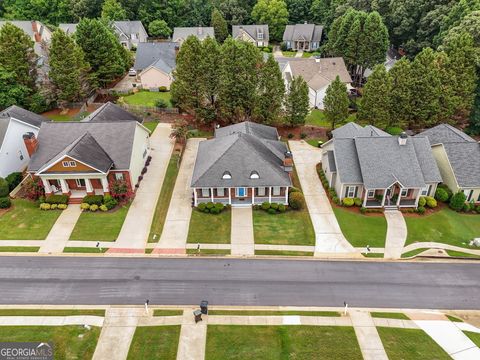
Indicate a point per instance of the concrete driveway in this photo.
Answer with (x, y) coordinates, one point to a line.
(328, 236)
(126, 83)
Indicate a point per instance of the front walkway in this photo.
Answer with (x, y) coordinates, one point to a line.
(193, 338)
(328, 236)
(396, 234)
(242, 240)
(136, 228)
(175, 231)
(62, 229)
(367, 335)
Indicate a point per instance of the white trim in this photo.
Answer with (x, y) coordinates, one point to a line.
(253, 195)
(64, 186)
(195, 197)
(402, 194)
(269, 194)
(211, 194)
(286, 195)
(230, 196)
(61, 159)
(105, 184)
(88, 185)
(368, 194)
(46, 185)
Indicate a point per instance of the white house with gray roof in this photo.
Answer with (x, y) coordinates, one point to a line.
(304, 37)
(180, 34)
(458, 158)
(380, 169)
(154, 63)
(244, 164)
(256, 34)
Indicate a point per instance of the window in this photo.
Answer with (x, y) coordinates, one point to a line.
(20, 155)
(72, 163)
(80, 182)
(66, 164)
(226, 175)
(254, 175)
(276, 190)
(468, 194)
(351, 191)
(261, 191)
(220, 191)
(119, 176)
(240, 192)
(205, 192)
(424, 191)
(371, 193)
(403, 192)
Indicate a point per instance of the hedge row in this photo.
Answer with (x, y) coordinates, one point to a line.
(211, 208)
(98, 202)
(271, 208)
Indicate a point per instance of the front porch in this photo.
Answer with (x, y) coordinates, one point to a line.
(76, 187)
(394, 196)
(241, 196)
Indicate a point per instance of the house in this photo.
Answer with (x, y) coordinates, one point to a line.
(154, 63)
(130, 33)
(180, 34)
(458, 158)
(18, 130)
(110, 112)
(318, 73)
(80, 158)
(256, 34)
(304, 37)
(380, 169)
(244, 164)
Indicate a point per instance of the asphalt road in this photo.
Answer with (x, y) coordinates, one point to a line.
(129, 281)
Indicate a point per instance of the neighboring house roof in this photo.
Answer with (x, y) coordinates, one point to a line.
(21, 114)
(252, 31)
(445, 133)
(110, 112)
(130, 27)
(182, 33)
(161, 55)
(309, 32)
(68, 28)
(352, 130)
(464, 157)
(94, 142)
(319, 73)
(27, 26)
(250, 128)
(240, 153)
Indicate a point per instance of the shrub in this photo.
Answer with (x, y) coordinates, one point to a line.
(265, 205)
(5, 202)
(272, 211)
(466, 207)
(144, 170)
(93, 207)
(357, 202)
(290, 135)
(162, 89)
(62, 206)
(303, 135)
(296, 201)
(293, 189)
(441, 195)
(421, 210)
(335, 199)
(363, 210)
(457, 201)
(267, 49)
(281, 208)
(13, 180)
(274, 206)
(210, 205)
(53, 206)
(219, 207)
(332, 192)
(109, 202)
(161, 103)
(447, 189)
(422, 201)
(57, 199)
(84, 206)
(103, 208)
(45, 206)
(202, 206)
(119, 190)
(4, 189)
(477, 209)
(93, 200)
(431, 202)
(348, 202)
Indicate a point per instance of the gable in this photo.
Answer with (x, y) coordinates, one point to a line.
(74, 166)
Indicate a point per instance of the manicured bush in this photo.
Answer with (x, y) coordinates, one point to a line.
(93, 200)
(431, 202)
(109, 201)
(84, 206)
(210, 205)
(281, 208)
(477, 209)
(457, 201)
(53, 206)
(441, 195)
(215, 210)
(348, 202)
(219, 207)
(290, 135)
(57, 199)
(335, 199)
(162, 89)
(62, 206)
(13, 180)
(447, 189)
(422, 201)
(103, 208)
(303, 136)
(202, 206)
(293, 189)
(93, 207)
(357, 201)
(45, 206)
(265, 205)
(5, 202)
(466, 207)
(332, 193)
(421, 210)
(296, 201)
(274, 206)
(363, 210)
(272, 211)
(4, 189)
(161, 103)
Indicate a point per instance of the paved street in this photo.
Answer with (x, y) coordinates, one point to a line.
(83, 280)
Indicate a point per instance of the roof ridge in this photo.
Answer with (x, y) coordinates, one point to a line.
(261, 142)
(88, 133)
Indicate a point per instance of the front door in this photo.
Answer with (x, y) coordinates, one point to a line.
(241, 192)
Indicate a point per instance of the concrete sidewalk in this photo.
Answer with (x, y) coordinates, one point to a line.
(51, 320)
(242, 239)
(136, 228)
(396, 234)
(62, 229)
(193, 338)
(367, 336)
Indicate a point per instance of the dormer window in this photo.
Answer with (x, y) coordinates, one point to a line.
(226, 175)
(254, 175)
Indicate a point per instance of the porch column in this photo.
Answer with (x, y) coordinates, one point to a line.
(286, 195)
(46, 186)
(269, 194)
(365, 196)
(384, 195)
(88, 187)
(106, 189)
(399, 197)
(64, 186)
(195, 201)
(211, 194)
(229, 196)
(253, 195)
(419, 192)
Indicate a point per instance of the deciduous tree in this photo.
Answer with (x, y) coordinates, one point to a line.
(274, 13)
(159, 28)
(113, 11)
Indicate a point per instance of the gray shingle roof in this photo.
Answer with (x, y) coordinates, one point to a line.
(465, 160)
(252, 30)
(248, 127)
(182, 33)
(110, 112)
(68, 28)
(130, 27)
(23, 115)
(319, 73)
(115, 138)
(346, 160)
(309, 32)
(445, 133)
(25, 25)
(150, 53)
(352, 130)
(331, 161)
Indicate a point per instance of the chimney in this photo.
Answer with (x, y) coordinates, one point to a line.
(288, 162)
(36, 34)
(177, 49)
(200, 30)
(402, 139)
(31, 143)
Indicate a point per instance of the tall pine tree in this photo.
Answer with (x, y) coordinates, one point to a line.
(401, 94)
(220, 26)
(375, 103)
(297, 102)
(336, 102)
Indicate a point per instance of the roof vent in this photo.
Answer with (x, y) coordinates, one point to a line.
(402, 139)
(254, 175)
(226, 175)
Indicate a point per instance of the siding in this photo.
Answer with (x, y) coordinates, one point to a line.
(154, 78)
(79, 168)
(140, 146)
(444, 166)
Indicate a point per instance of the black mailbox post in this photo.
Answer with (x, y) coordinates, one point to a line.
(204, 307)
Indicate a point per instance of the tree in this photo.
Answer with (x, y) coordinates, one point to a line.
(299, 11)
(270, 92)
(113, 11)
(235, 12)
(322, 13)
(401, 93)
(375, 104)
(179, 131)
(11, 93)
(474, 121)
(159, 28)
(68, 69)
(220, 26)
(336, 102)
(374, 44)
(274, 13)
(297, 102)
(210, 79)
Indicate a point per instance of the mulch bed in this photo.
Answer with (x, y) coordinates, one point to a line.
(309, 130)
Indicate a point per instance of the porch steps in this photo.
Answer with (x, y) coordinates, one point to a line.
(391, 208)
(75, 200)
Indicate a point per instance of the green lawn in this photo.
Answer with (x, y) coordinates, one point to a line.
(151, 125)
(292, 227)
(413, 252)
(19, 248)
(88, 250)
(445, 226)
(314, 141)
(210, 228)
(197, 133)
(164, 199)
(373, 255)
(310, 54)
(58, 117)
(25, 221)
(154, 342)
(390, 315)
(453, 318)
(208, 252)
(51, 312)
(99, 226)
(475, 337)
(410, 344)
(317, 118)
(281, 342)
(283, 253)
(462, 254)
(167, 312)
(289, 53)
(147, 98)
(362, 230)
(70, 342)
(273, 313)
